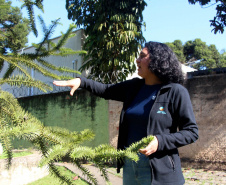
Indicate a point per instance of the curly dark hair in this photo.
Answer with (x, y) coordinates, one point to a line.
(164, 63)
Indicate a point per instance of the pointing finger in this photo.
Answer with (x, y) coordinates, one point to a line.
(60, 83)
(73, 90)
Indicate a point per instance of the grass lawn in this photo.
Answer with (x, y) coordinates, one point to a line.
(51, 180)
(17, 154)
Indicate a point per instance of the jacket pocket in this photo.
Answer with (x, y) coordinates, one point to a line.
(166, 168)
(172, 162)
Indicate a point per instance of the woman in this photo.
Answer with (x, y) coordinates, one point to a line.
(154, 105)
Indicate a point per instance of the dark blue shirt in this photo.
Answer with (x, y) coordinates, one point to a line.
(137, 114)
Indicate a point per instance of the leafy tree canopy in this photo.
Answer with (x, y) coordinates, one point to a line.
(114, 35)
(219, 21)
(13, 28)
(198, 54)
(178, 48)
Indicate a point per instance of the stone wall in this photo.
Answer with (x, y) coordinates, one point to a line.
(208, 96)
(114, 108)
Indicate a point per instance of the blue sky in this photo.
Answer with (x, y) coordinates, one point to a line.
(166, 21)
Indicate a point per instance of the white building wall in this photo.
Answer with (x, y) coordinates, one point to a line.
(72, 62)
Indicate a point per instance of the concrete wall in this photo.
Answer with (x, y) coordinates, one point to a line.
(208, 96)
(22, 171)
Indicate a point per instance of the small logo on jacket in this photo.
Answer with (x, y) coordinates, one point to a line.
(161, 110)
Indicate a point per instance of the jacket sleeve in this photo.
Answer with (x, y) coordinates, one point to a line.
(184, 119)
(116, 92)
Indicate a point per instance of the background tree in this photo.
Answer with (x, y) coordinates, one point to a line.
(219, 21)
(198, 54)
(13, 28)
(178, 49)
(223, 59)
(114, 35)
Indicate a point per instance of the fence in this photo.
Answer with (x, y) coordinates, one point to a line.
(21, 92)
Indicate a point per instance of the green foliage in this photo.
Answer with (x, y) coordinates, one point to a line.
(219, 21)
(15, 122)
(13, 32)
(57, 143)
(37, 61)
(29, 5)
(178, 49)
(16, 154)
(222, 61)
(197, 54)
(13, 28)
(114, 35)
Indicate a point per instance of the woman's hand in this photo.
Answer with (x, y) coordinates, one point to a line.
(151, 148)
(73, 84)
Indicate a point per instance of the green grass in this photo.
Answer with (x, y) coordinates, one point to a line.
(51, 180)
(17, 154)
(112, 170)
